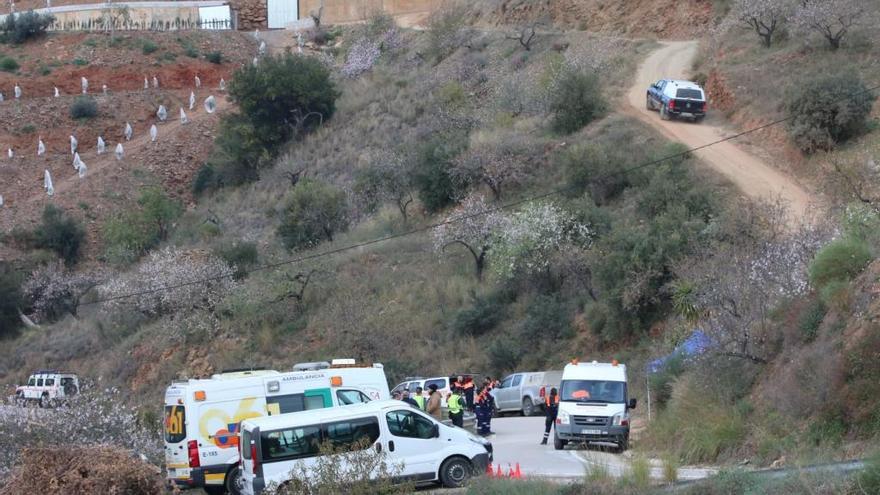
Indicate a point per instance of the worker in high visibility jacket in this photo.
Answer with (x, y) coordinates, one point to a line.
(456, 412)
(484, 408)
(551, 409)
(419, 398)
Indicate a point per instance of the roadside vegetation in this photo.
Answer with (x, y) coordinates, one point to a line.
(399, 130)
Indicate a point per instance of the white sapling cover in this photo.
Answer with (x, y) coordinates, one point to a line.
(57, 93)
(146, 83)
(47, 183)
(17, 91)
(73, 144)
(41, 148)
(210, 104)
(10, 153)
(192, 100)
(222, 84)
(263, 48)
(198, 82)
(102, 146)
(154, 133)
(76, 161)
(183, 117)
(84, 84)
(81, 170)
(119, 151)
(155, 82)
(162, 113)
(128, 131)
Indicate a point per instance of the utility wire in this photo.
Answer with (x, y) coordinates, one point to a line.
(448, 221)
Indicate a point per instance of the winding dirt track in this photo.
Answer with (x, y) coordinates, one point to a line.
(750, 174)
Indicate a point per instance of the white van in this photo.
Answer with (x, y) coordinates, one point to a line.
(427, 451)
(594, 405)
(202, 416)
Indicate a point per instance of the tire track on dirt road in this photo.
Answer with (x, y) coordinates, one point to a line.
(755, 178)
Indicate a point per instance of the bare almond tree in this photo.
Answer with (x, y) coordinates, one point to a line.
(833, 19)
(525, 36)
(472, 225)
(764, 16)
(497, 164)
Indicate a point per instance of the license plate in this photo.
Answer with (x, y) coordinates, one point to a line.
(182, 473)
(589, 431)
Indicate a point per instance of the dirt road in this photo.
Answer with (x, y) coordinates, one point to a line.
(750, 174)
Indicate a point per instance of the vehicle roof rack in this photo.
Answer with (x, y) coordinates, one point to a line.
(239, 370)
(317, 365)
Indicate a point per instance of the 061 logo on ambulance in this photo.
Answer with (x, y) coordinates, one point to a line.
(225, 436)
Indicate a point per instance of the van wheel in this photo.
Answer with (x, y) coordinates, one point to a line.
(623, 446)
(528, 408)
(234, 481)
(455, 472)
(559, 443)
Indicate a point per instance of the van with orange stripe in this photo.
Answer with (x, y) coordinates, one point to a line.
(202, 416)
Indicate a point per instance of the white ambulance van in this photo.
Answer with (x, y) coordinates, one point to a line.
(593, 405)
(202, 416)
(425, 450)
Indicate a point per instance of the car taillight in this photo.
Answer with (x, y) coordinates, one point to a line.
(254, 457)
(624, 422)
(192, 448)
(672, 104)
(705, 106)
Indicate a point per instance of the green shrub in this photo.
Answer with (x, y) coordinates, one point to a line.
(148, 47)
(239, 154)
(284, 95)
(242, 256)
(61, 233)
(10, 300)
(549, 317)
(431, 174)
(214, 57)
(840, 260)
(191, 52)
(20, 28)
(84, 107)
(131, 233)
(482, 316)
(490, 486)
(315, 212)
(80, 62)
(662, 381)
(8, 64)
(827, 110)
(811, 318)
(576, 100)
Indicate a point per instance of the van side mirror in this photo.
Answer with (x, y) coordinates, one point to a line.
(632, 404)
(435, 431)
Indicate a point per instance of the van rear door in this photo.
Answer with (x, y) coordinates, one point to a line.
(176, 455)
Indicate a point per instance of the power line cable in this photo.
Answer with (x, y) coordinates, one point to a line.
(431, 226)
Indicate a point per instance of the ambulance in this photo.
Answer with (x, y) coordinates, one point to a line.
(594, 405)
(202, 416)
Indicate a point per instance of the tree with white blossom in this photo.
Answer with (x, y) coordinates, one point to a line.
(473, 225)
(52, 291)
(172, 280)
(530, 237)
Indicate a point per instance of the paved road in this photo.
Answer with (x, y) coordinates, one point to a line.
(517, 440)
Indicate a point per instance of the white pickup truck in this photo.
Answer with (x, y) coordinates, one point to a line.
(524, 392)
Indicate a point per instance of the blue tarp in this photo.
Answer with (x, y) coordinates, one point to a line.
(696, 344)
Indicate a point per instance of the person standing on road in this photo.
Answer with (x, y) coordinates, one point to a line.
(406, 398)
(456, 412)
(434, 400)
(551, 409)
(419, 398)
(468, 388)
(485, 407)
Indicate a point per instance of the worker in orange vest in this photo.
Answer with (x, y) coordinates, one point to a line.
(551, 409)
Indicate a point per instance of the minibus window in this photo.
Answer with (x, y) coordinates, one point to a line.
(40, 382)
(50, 382)
(175, 424)
(348, 397)
(409, 424)
(290, 443)
(353, 434)
(32, 381)
(285, 404)
(314, 402)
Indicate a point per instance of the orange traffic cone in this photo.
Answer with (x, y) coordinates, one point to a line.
(509, 471)
(499, 473)
(517, 474)
(489, 472)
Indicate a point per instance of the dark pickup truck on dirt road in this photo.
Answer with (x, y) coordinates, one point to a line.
(675, 98)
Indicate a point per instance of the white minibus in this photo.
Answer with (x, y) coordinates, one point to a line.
(423, 450)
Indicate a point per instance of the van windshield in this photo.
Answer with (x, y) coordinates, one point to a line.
(175, 424)
(609, 392)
